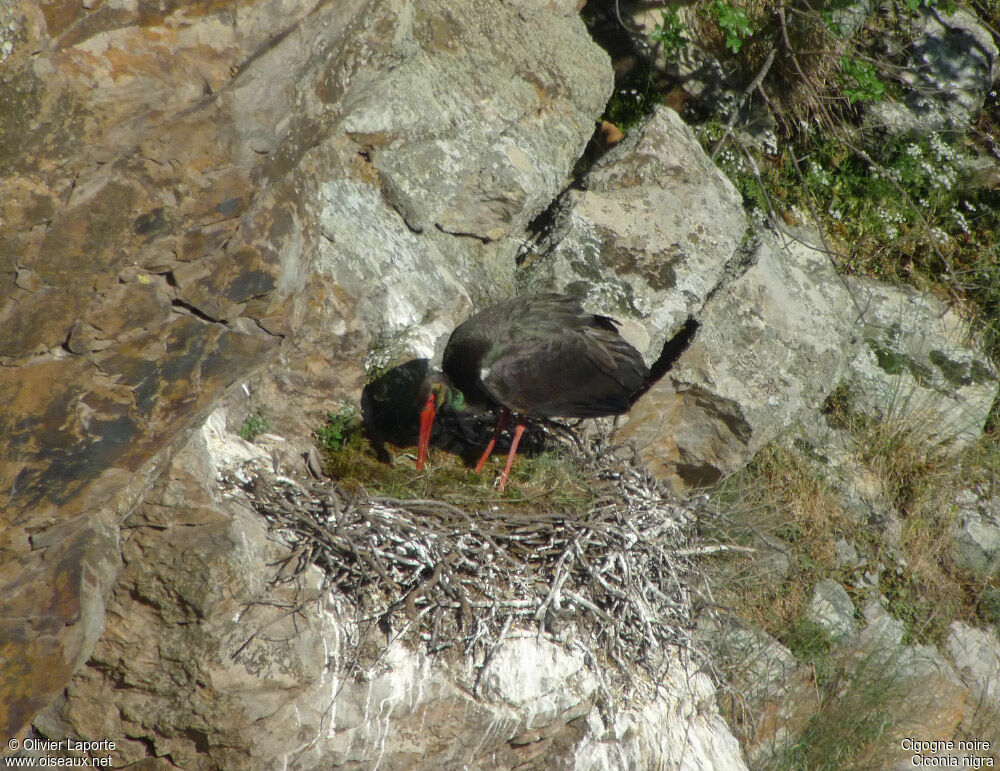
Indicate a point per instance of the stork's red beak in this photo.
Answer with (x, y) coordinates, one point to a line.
(426, 423)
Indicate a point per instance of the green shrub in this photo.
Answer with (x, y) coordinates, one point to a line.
(670, 33)
(338, 429)
(733, 22)
(860, 81)
(254, 424)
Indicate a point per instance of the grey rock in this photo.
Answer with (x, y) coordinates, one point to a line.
(648, 237)
(868, 581)
(475, 129)
(775, 563)
(975, 534)
(882, 633)
(886, 521)
(539, 676)
(845, 554)
(770, 346)
(214, 652)
(979, 173)
(831, 607)
(918, 368)
(976, 655)
(651, 735)
(917, 662)
(407, 296)
(951, 67)
(763, 667)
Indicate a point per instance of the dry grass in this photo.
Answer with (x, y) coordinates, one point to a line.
(919, 477)
(547, 475)
(801, 84)
(782, 502)
(777, 505)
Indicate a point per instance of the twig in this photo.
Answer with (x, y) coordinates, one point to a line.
(715, 548)
(758, 78)
(468, 580)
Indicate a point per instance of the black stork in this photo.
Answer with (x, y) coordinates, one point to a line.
(540, 355)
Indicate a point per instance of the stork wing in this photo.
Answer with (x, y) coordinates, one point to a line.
(586, 372)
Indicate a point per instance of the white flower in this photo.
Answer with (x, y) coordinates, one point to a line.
(960, 221)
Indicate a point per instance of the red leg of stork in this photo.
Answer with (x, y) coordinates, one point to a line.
(518, 430)
(502, 422)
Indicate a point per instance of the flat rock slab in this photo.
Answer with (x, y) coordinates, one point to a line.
(647, 238)
(832, 609)
(770, 346)
(477, 127)
(975, 534)
(976, 655)
(918, 368)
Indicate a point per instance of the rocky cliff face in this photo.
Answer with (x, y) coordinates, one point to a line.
(209, 207)
(170, 179)
(148, 264)
(197, 197)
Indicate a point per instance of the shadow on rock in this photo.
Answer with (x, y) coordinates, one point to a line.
(390, 410)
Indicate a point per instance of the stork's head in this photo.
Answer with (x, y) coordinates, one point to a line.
(437, 393)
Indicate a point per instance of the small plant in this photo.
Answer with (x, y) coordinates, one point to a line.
(988, 606)
(860, 81)
(670, 33)
(809, 641)
(903, 601)
(338, 429)
(839, 408)
(734, 24)
(945, 6)
(254, 424)
(634, 98)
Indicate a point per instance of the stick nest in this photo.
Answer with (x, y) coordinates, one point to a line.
(613, 581)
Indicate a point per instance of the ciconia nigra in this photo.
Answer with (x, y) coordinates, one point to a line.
(539, 355)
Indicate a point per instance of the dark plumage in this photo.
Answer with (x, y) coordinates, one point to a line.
(538, 355)
(543, 355)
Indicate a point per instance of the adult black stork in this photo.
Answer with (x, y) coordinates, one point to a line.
(536, 355)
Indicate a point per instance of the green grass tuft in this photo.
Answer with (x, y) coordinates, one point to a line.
(551, 480)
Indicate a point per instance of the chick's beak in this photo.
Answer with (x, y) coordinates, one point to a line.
(426, 423)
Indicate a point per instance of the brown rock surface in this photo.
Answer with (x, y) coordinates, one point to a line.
(200, 639)
(175, 190)
(140, 259)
